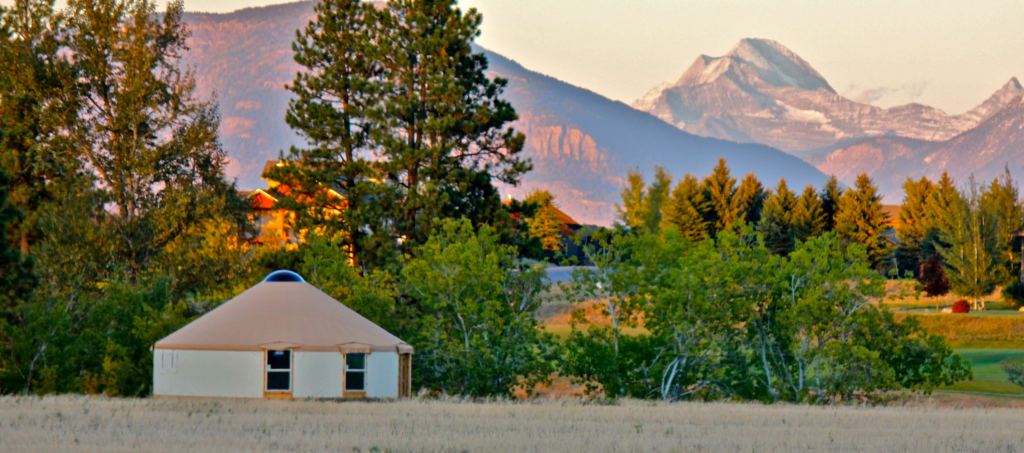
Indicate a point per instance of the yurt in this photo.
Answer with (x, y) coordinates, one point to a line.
(282, 339)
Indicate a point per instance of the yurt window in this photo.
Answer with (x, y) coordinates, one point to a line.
(168, 363)
(279, 371)
(355, 372)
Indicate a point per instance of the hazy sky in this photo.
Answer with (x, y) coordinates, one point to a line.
(950, 54)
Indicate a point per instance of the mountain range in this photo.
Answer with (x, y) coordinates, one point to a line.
(762, 92)
(581, 144)
(760, 106)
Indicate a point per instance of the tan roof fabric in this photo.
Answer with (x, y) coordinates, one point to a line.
(283, 315)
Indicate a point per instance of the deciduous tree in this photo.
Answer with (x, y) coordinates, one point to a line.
(36, 100)
(475, 333)
(933, 277)
(545, 223)
(1002, 199)
(971, 256)
(151, 142)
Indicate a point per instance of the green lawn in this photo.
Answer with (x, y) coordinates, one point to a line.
(991, 311)
(988, 376)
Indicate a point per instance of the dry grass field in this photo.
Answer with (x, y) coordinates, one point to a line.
(90, 424)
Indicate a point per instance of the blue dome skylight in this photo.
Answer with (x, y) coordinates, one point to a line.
(283, 276)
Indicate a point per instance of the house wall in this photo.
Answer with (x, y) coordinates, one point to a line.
(236, 374)
(317, 375)
(382, 375)
(240, 374)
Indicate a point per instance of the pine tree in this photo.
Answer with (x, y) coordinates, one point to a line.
(685, 209)
(443, 134)
(830, 198)
(1002, 198)
(914, 225)
(751, 195)
(777, 226)
(723, 204)
(808, 215)
(333, 110)
(860, 220)
(634, 199)
(944, 198)
(971, 256)
(545, 223)
(657, 198)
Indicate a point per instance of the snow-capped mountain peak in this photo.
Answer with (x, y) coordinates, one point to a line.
(1008, 92)
(777, 64)
(762, 92)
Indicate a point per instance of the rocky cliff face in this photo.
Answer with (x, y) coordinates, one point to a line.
(762, 92)
(245, 59)
(581, 143)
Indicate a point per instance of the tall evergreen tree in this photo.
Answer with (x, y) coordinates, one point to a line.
(443, 135)
(1002, 198)
(751, 196)
(830, 197)
(723, 204)
(545, 222)
(860, 220)
(685, 209)
(334, 110)
(945, 197)
(971, 256)
(634, 199)
(914, 224)
(777, 220)
(808, 216)
(657, 198)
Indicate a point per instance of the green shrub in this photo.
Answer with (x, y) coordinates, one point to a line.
(1014, 294)
(1014, 369)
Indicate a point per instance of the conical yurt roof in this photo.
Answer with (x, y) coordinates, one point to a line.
(290, 314)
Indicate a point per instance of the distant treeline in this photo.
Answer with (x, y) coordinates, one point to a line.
(972, 231)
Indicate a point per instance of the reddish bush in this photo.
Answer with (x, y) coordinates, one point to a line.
(961, 306)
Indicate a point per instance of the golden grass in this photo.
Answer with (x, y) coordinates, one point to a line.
(89, 424)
